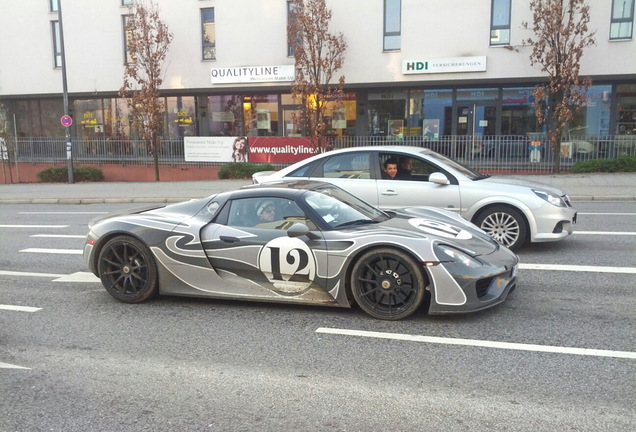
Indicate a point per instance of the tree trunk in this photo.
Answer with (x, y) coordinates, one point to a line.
(155, 156)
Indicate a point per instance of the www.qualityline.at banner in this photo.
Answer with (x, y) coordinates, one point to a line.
(280, 149)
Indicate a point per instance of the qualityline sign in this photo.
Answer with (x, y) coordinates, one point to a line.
(280, 149)
(444, 65)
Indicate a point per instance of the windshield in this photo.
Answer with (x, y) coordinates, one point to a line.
(468, 172)
(339, 208)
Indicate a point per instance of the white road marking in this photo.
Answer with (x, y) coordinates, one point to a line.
(78, 277)
(481, 343)
(19, 308)
(605, 233)
(53, 251)
(23, 274)
(607, 214)
(578, 268)
(58, 236)
(33, 226)
(10, 366)
(68, 212)
(73, 277)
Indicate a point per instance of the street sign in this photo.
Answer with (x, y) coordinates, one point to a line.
(66, 120)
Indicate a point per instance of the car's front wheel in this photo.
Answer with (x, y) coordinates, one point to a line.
(504, 224)
(127, 269)
(387, 284)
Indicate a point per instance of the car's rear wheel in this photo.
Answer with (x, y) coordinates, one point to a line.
(128, 270)
(387, 284)
(504, 224)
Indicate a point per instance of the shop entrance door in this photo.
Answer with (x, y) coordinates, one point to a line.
(474, 123)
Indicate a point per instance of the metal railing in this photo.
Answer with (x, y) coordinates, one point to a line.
(527, 153)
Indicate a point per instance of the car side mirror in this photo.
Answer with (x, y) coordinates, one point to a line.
(300, 229)
(438, 178)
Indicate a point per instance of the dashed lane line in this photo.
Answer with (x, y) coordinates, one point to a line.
(605, 233)
(53, 251)
(578, 268)
(10, 366)
(34, 226)
(64, 212)
(74, 236)
(480, 343)
(19, 308)
(73, 277)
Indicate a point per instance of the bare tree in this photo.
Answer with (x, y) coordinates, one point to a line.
(561, 35)
(5, 141)
(318, 55)
(147, 42)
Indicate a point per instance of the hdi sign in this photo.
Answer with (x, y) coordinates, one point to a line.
(444, 65)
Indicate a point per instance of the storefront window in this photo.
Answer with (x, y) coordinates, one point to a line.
(116, 121)
(89, 118)
(593, 119)
(51, 110)
(261, 115)
(626, 104)
(518, 115)
(431, 113)
(181, 116)
(224, 115)
(387, 113)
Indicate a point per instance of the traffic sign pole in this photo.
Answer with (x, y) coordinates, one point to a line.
(66, 118)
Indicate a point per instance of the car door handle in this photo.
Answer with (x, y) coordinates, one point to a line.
(389, 192)
(229, 239)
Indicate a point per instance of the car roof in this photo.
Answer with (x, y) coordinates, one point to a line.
(384, 148)
(283, 188)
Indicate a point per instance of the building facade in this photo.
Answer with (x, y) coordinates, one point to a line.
(412, 67)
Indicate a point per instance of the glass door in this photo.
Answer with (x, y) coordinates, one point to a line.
(475, 123)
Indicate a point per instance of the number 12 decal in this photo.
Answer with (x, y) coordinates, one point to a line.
(288, 264)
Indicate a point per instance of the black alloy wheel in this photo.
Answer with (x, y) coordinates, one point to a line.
(127, 269)
(388, 284)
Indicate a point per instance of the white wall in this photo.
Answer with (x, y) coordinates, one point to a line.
(253, 32)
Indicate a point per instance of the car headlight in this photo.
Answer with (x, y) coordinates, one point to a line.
(549, 197)
(458, 256)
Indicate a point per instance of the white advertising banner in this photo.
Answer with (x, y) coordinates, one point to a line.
(444, 65)
(252, 74)
(208, 149)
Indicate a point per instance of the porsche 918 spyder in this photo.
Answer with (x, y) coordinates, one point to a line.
(303, 242)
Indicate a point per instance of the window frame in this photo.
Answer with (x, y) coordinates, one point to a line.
(499, 27)
(207, 45)
(57, 44)
(618, 21)
(290, 18)
(389, 5)
(127, 58)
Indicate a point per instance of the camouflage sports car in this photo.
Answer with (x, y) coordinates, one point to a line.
(302, 242)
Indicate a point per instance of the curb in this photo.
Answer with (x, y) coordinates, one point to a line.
(576, 198)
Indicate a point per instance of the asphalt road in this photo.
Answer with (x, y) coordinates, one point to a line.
(559, 354)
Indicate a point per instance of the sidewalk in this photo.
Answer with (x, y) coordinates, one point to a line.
(580, 187)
